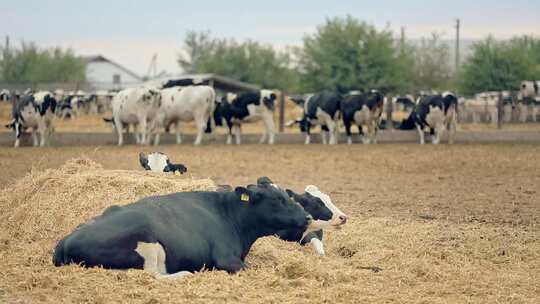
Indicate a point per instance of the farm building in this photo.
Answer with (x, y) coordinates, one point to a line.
(218, 82)
(105, 74)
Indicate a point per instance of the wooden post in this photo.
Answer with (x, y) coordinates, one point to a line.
(389, 110)
(282, 112)
(500, 111)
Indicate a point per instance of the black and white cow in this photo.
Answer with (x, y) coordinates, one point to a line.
(404, 103)
(364, 109)
(317, 204)
(320, 109)
(177, 234)
(185, 104)
(438, 112)
(137, 107)
(159, 162)
(247, 107)
(33, 111)
(5, 95)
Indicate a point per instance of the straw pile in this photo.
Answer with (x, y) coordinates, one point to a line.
(370, 260)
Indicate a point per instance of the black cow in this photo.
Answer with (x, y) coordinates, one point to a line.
(247, 107)
(364, 109)
(176, 234)
(184, 83)
(320, 109)
(159, 162)
(438, 112)
(406, 103)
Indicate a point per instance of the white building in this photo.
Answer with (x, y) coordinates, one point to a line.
(105, 74)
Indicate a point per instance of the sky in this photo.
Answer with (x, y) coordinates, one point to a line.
(131, 32)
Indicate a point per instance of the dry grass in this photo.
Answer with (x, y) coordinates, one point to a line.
(423, 259)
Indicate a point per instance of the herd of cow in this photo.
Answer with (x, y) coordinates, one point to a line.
(174, 235)
(150, 111)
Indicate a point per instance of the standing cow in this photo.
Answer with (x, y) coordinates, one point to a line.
(320, 109)
(184, 104)
(135, 106)
(33, 111)
(364, 109)
(247, 107)
(177, 234)
(438, 112)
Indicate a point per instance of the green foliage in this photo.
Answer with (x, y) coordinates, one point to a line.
(431, 64)
(346, 54)
(496, 65)
(32, 64)
(249, 61)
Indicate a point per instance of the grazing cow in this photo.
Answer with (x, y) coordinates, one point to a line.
(364, 109)
(438, 112)
(247, 107)
(530, 96)
(135, 106)
(159, 162)
(177, 234)
(184, 104)
(530, 89)
(320, 109)
(33, 111)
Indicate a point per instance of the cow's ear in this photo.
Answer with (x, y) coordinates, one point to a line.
(244, 194)
(144, 161)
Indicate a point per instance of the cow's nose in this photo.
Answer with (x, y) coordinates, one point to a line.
(343, 219)
(309, 218)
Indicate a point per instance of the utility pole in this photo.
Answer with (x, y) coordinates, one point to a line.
(458, 27)
(6, 47)
(402, 39)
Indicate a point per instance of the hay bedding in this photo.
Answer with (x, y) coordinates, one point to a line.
(422, 261)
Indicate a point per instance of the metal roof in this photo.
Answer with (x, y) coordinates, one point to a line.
(219, 82)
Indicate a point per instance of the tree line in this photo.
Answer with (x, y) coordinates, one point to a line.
(348, 54)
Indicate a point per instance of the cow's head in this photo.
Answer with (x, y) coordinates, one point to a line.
(159, 162)
(272, 208)
(230, 97)
(268, 98)
(450, 101)
(152, 96)
(312, 204)
(17, 127)
(338, 217)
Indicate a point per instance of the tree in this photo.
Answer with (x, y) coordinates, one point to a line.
(346, 54)
(249, 61)
(431, 64)
(496, 66)
(29, 63)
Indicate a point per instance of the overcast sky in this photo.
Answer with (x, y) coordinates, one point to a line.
(130, 32)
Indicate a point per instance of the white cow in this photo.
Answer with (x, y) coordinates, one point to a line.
(185, 104)
(33, 111)
(135, 106)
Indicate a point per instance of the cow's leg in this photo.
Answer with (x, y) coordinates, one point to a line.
(375, 131)
(347, 123)
(268, 121)
(119, 128)
(201, 126)
(324, 135)
(308, 136)
(420, 133)
(230, 134)
(42, 130)
(143, 129)
(35, 140)
(452, 130)
(317, 245)
(332, 129)
(236, 131)
(177, 129)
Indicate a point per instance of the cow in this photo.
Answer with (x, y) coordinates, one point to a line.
(438, 112)
(247, 107)
(5, 95)
(364, 109)
(320, 109)
(184, 104)
(35, 111)
(404, 103)
(135, 106)
(529, 94)
(174, 235)
(159, 162)
(317, 204)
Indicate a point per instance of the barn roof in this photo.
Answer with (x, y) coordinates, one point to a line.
(219, 82)
(101, 58)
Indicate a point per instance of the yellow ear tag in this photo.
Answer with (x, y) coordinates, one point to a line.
(177, 173)
(244, 197)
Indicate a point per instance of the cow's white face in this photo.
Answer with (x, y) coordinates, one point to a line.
(157, 161)
(268, 99)
(230, 97)
(338, 217)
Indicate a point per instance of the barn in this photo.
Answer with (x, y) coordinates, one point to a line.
(104, 74)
